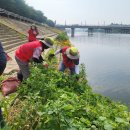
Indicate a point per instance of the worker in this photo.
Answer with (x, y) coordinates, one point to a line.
(70, 60)
(33, 32)
(3, 61)
(28, 51)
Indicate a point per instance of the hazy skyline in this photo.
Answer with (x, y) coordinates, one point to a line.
(84, 11)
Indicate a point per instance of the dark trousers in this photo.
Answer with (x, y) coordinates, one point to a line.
(2, 67)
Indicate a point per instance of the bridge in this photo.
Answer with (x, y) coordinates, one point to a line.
(91, 28)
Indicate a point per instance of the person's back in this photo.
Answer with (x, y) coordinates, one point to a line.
(25, 51)
(3, 59)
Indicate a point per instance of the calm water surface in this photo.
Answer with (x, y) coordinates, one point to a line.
(107, 61)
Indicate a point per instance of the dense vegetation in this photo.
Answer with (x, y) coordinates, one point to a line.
(63, 40)
(20, 7)
(62, 37)
(52, 100)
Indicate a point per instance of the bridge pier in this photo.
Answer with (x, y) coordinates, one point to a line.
(126, 31)
(108, 30)
(72, 32)
(90, 31)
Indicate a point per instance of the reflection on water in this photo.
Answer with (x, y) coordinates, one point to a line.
(107, 60)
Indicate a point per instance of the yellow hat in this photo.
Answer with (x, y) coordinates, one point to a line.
(47, 41)
(72, 53)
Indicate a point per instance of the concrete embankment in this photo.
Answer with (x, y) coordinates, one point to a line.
(13, 33)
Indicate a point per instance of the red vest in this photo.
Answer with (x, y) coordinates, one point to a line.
(32, 36)
(25, 51)
(67, 62)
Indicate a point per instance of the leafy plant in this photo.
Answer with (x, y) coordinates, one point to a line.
(53, 100)
(22, 36)
(62, 39)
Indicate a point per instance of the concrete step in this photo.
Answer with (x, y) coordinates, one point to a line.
(1, 29)
(6, 28)
(51, 35)
(12, 49)
(8, 32)
(5, 39)
(7, 47)
(1, 26)
(9, 35)
(12, 42)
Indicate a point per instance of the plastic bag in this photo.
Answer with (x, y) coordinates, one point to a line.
(10, 86)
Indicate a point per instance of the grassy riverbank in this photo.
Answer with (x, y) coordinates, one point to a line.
(52, 100)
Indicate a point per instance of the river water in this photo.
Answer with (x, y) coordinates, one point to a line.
(107, 61)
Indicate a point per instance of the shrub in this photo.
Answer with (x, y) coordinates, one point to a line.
(53, 100)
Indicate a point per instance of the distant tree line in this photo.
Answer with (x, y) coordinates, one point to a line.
(20, 7)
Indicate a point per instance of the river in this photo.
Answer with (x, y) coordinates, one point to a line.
(107, 61)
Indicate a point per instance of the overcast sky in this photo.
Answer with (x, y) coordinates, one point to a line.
(84, 11)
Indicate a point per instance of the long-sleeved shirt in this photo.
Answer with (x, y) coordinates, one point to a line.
(76, 62)
(37, 52)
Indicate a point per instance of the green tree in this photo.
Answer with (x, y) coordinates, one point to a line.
(20, 7)
(50, 23)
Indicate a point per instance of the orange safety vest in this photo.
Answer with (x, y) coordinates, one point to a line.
(67, 62)
(25, 51)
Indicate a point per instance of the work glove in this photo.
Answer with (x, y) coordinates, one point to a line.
(50, 56)
(40, 60)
